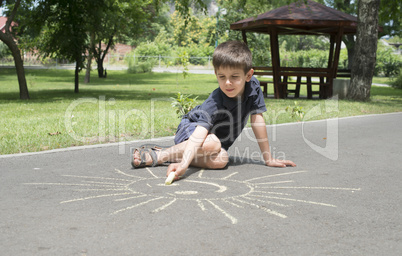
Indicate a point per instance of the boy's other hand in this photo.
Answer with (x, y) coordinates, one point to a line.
(280, 163)
(176, 167)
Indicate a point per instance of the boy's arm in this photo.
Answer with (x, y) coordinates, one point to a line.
(193, 143)
(260, 132)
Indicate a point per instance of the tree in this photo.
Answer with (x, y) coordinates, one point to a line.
(9, 39)
(65, 30)
(365, 48)
(389, 20)
(116, 20)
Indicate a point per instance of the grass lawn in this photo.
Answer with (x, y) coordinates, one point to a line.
(131, 106)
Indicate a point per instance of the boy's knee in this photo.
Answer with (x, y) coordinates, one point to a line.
(212, 144)
(220, 161)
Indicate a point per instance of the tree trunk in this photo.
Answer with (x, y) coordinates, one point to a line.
(100, 57)
(101, 73)
(8, 39)
(365, 50)
(89, 61)
(350, 43)
(76, 75)
(19, 66)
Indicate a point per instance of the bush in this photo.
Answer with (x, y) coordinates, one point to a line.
(140, 67)
(397, 81)
(4, 51)
(388, 63)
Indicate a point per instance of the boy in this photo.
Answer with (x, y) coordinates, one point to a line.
(205, 134)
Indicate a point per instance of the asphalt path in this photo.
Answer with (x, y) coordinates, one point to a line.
(343, 198)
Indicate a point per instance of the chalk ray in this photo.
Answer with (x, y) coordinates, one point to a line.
(201, 205)
(107, 183)
(163, 207)
(231, 203)
(233, 219)
(201, 173)
(296, 200)
(273, 182)
(93, 197)
(323, 188)
(221, 187)
(230, 175)
(262, 208)
(149, 170)
(136, 205)
(94, 177)
(274, 175)
(76, 184)
(273, 193)
(128, 175)
(263, 201)
(129, 198)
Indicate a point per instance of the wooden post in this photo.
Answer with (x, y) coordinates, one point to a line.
(334, 68)
(275, 63)
(243, 33)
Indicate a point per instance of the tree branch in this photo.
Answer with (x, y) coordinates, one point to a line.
(12, 16)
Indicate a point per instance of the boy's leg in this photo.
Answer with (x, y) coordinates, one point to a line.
(209, 155)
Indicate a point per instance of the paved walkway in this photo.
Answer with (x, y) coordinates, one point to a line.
(343, 198)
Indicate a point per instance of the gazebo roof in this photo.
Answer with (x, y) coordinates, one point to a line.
(299, 18)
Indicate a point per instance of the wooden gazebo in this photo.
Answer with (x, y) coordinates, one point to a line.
(300, 19)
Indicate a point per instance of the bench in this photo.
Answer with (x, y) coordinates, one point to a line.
(263, 71)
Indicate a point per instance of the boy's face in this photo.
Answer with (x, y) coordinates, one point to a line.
(233, 80)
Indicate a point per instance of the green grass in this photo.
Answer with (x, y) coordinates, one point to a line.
(131, 106)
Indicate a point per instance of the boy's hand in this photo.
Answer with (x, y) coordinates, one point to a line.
(176, 167)
(279, 163)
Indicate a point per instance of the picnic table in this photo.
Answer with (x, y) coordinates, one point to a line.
(295, 77)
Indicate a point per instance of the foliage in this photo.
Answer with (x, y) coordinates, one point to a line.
(183, 104)
(4, 51)
(397, 80)
(388, 63)
(198, 29)
(309, 59)
(296, 111)
(140, 67)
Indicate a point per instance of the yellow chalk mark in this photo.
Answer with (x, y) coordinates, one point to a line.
(128, 175)
(274, 175)
(274, 182)
(74, 184)
(231, 203)
(129, 198)
(201, 205)
(107, 183)
(221, 188)
(262, 201)
(163, 207)
(273, 193)
(262, 208)
(230, 175)
(149, 170)
(201, 173)
(296, 200)
(329, 188)
(136, 205)
(93, 177)
(93, 197)
(233, 219)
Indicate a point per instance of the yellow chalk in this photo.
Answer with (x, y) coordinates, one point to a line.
(170, 178)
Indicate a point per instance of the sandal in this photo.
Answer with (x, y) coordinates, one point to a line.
(143, 149)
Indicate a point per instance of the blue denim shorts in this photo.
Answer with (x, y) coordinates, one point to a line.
(184, 131)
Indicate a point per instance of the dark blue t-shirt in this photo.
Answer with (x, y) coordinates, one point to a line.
(223, 116)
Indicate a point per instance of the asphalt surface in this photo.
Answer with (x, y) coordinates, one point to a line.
(343, 198)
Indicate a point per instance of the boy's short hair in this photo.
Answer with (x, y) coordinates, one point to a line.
(234, 54)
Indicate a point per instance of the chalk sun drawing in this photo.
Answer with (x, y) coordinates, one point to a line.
(201, 191)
